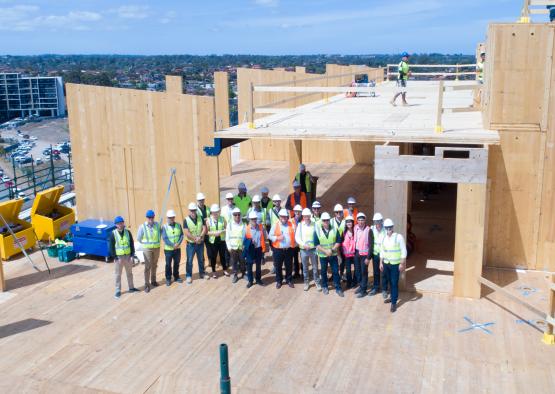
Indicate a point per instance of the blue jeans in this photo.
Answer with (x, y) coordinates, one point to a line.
(378, 278)
(392, 274)
(254, 256)
(172, 256)
(193, 249)
(333, 262)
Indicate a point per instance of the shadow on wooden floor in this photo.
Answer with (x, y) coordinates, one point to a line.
(38, 277)
(21, 326)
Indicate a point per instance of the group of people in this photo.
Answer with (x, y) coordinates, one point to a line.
(303, 242)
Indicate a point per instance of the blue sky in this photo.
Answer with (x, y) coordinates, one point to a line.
(248, 26)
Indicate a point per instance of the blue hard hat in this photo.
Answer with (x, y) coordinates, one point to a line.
(404, 54)
(150, 213)
(118, 219)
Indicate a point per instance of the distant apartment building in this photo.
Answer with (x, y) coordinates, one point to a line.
(22, 96)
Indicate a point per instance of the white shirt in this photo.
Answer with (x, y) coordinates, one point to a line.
(395, 237)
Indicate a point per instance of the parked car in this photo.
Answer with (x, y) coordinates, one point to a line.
(33, 138)
(5, 178)
(55, 152)
(26, 136)
(26, 160)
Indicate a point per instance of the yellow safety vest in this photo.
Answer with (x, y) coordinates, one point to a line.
(173, 233)
(236, 232)
(243, 203)
(151, 236)
(307, 234)
(194, 228)
(216, 226)
(123, 243)
(274, 217)
(378, 238)
(307, 183)
(391, 250)
(328, 241)
(339, 228)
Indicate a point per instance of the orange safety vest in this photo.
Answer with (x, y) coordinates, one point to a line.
(346, 213)
(262, 240)
(277, 232)
(302, 202)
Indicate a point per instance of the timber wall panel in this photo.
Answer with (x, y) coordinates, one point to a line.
(126, 141)
(313, 151)
(221, 95)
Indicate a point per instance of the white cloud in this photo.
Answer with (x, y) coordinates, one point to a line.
(27, 18)
(267, 3)
(132, 11)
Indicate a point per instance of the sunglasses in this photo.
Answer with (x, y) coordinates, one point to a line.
(389, 228)
(236, 214)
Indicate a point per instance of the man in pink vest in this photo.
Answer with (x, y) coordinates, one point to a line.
(364, 244)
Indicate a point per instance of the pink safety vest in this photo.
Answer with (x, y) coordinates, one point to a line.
(348, 244)
(361, 240)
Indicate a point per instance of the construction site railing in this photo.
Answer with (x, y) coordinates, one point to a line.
(534, 7)
(549, 317)
(441, 109)
(457, 73)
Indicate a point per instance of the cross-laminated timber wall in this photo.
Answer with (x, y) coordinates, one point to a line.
(519, 101)
(312, 151)
(126, 141)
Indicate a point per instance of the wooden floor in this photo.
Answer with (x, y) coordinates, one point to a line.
(67, 334)
(375, 119)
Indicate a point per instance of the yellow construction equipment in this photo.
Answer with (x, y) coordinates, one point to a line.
(50, 219)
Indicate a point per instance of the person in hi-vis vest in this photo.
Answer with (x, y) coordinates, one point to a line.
(393, 258)
(172, 234)
(194, 229)
(148, 236)
(123, 249)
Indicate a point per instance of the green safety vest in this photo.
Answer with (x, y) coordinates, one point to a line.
(339, 228)
(378, 238)
(236, 233)
(308, 185)
(216, 226)
(242, 203)
(199, 213)
(173, 233)
(403, 70)
(226, 213)
(123, 243)
(328, 241)
(194, 228)
(306, 234)
(274, 217)
(480, 67)
(391, 250)
(151, 236)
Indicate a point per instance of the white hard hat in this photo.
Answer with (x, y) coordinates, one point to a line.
(264, 189)
(388, 223)
(229, 196)
(351, 200)
(200, 196)
(306, 212)
(325, 216)
(192, 206)
(276, 197)
(242, 186)
(215, 208)
(256, 198)
(361, 215)
(283, 212)
(338, 208)
(170, 213)
(349, 218)
(253, 215)
(236, 210)
(297, 208)
(377, 216)
(316, 204)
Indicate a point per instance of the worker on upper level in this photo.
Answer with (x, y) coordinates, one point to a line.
(551, 9)
(480, 68)
(306, 180)
(149, 238)
(242, 200)
(393, 257)
(195, 230)
(404, 73)
(123, 249)
(172, 234)
(297, 197)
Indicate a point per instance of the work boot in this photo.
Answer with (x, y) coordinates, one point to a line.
(358, 291)
(234, 279)
(384, 294)
(249, 285)
(153, 283)
(361, 294)
(226, 273)
(168, 282)
(340, 293)
(259, 283)
(325, 291)
(290, 284)
(373, 292)
(147, 289)
(133, 290)
(179, 280)
(387, 300)
(117, 295)
(306, 287)
(278, 285)
(393, 308)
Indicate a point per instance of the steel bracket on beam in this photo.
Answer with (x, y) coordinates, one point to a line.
(220, 144)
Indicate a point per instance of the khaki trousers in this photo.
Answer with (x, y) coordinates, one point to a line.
(120, 263)
(151, 263)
